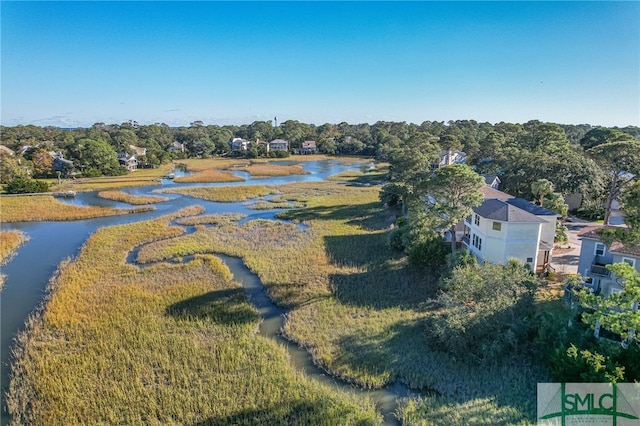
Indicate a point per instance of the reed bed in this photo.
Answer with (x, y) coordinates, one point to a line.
(265, 169)
(271, 204)
(130, 199)
(46, 207)
(207, 171)
(358, 307)
(9, 243)
(224, 194)
(165, 345)
(211, 219)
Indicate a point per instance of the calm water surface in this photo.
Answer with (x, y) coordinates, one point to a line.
(49, 243)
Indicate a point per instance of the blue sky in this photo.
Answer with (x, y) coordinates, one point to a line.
(78, 63)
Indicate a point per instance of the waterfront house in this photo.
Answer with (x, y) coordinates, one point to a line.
(308, 147)
(239, 144)
(505, 227)
(129, 161)
(278, 145)
(176, 146)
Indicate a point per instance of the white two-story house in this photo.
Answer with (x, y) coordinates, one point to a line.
(504, 227)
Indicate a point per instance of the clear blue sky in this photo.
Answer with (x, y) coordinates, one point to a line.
(78, 63)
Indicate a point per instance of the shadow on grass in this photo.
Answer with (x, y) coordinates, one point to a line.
(390, 354)
(316, 412)
(368, 216)
(226, 307)
(385, 278)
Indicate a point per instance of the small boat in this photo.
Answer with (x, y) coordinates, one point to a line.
(171, 176)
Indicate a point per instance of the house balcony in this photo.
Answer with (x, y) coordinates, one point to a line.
(599, 270)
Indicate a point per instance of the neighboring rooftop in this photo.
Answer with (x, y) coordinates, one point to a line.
(489, 193)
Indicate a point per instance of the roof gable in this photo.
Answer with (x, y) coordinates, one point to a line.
(523, 204)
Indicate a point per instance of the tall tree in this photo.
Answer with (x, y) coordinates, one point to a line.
(542, 188)
(630, 205)
(622, 162)
(450, 195)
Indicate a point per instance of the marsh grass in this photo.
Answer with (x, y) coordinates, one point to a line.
(212, 219)
(266, 169)
(271, 204)
(45, 207)
(360, 308)
(207, 170)
(165, 345)
(130, 199)
(10, 241)
(140, 177)
(224, 194)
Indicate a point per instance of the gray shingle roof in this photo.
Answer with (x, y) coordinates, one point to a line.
(530, 207)
(494, 209)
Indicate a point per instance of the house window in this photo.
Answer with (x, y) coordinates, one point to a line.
(631, 262)
(600, 249)
(497, 226)
(477, 242)
(529, 259)
(468, 219)
(477, 220)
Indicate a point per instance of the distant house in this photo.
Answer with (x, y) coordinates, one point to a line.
(129, 161)
(492, 181)
(505, 227)
(138, 151)
(176, 146)
(263, 144)
(449, 157)
(239, 144)
(6, 150)
(279, 145)
(60, 164)
(309, 147)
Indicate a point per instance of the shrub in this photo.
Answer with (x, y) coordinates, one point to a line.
(488, 311)
(22, 185)
(430, 253)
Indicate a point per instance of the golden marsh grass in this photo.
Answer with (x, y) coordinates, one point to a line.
(165, 345)
(265, 169)
(359, 308)
(46, 207)
(9, 243)
(207, 171)
(130, 199)
(225, 194)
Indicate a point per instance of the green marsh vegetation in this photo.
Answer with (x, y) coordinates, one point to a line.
(130, 199)
(167, 344)
(46, 207)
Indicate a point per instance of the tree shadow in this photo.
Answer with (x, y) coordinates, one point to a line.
(368, 216)
(315, 412)
(384, 278)
(228, 307)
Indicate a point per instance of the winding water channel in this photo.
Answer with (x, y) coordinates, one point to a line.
(29, 271)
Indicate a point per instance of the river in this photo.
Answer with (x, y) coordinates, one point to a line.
(29, 271)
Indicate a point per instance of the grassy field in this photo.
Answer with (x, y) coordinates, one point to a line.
(360, 309)
(46, 207)
(130, 199)
(9, 243)
(224, 194)
(166, 345)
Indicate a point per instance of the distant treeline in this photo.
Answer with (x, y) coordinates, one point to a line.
(518, 153)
